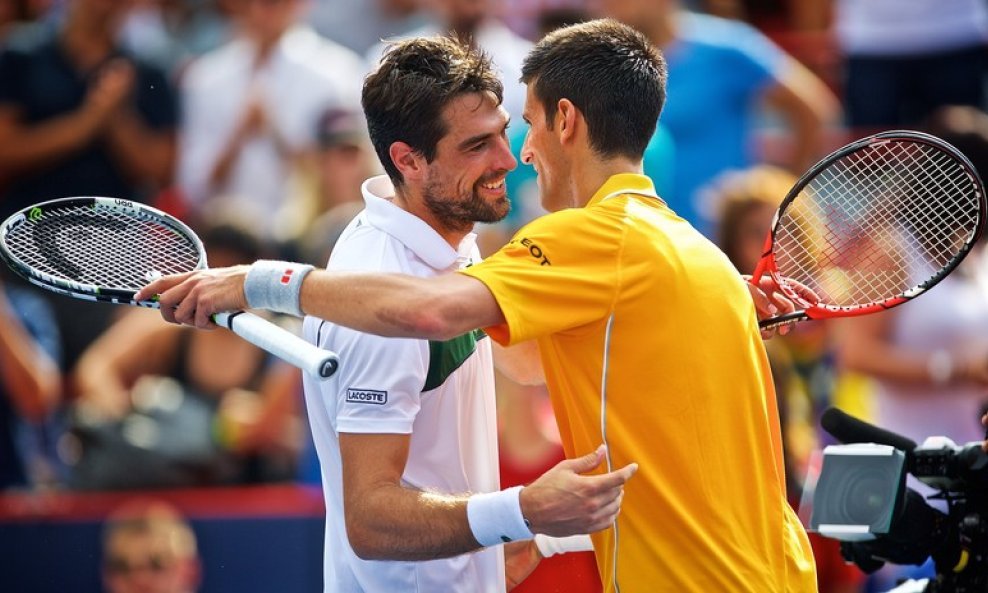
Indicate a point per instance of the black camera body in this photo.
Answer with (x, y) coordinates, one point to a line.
(861, 499)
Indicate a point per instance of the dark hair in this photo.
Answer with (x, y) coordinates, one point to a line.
(404, 97)
(611, 73)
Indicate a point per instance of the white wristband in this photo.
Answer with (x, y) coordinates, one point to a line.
(550, 546)
(495, 517)
(275, 286)
(940, 367)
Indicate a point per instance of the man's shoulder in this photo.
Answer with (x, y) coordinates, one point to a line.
(367, 248)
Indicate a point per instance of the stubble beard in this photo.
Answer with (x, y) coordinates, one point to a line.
(460, 213)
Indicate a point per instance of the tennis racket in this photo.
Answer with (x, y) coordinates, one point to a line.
(105, 249)
(874, 224)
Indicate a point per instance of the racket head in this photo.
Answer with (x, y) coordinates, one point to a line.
(874, 224)
(97, 248)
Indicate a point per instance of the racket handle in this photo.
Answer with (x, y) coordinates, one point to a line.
(774, 322)
(280, 342)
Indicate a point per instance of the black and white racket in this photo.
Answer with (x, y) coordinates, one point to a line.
(872, 225)
(105, 249)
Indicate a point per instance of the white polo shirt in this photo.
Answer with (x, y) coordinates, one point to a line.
(441, 393)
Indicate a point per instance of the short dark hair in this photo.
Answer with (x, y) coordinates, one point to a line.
(404, 98)
(611, 73)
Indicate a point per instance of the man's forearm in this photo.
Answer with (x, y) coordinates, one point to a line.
(397, 523)
(396, 305)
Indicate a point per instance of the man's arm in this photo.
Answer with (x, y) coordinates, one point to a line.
(29, 376)
(808, 107)
(387, 521)
(391, 305)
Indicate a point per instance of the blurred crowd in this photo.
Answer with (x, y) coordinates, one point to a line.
(242, 117)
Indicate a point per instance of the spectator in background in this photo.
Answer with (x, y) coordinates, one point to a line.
(361, 25)
(173, 32)
(30, 390)
(238, 403)
(802, 361)
(721, 74)
(334, 171)
(903, 60)
(929, 360)
(80, 116)
(149, 548)
(477, 23)
(18, 12)
(251, 107)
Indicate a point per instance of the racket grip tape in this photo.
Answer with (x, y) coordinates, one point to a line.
(280, 342)
(780, 320)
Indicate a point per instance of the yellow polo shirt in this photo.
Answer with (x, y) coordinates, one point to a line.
(650, 344)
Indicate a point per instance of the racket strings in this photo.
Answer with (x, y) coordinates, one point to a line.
(877, 223)
(103, 248)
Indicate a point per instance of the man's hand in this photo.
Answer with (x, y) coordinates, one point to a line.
(771, 303)
(192, 298)
(520, 560)
(565, 502)
(110, 87)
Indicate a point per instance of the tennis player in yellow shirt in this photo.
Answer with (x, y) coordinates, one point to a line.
(647, 336)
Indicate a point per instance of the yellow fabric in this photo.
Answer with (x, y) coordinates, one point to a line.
(689, 394)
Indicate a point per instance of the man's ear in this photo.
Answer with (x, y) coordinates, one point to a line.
(410, 162)
(567, 119)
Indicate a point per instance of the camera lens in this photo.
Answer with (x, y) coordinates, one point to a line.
(867, 497)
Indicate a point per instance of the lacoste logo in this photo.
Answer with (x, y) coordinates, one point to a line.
(366, 396)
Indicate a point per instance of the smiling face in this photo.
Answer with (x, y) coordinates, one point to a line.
(464, 183)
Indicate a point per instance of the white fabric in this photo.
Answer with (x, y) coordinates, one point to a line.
(551, 546)
(898, 27)
(453, 427)
(305, 75)
(495, 517)
(506, 48)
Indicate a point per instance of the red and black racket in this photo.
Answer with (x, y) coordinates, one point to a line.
(872, 225)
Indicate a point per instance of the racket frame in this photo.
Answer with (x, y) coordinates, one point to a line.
(808, 310)
(82, 290)
(260, 332)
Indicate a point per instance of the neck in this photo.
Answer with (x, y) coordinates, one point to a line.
(265, 47)
(587, 179)
(88, 43)
(414, 204)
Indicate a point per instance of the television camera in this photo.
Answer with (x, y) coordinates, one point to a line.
(861, 498)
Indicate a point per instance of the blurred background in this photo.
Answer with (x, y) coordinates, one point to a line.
(138, 456)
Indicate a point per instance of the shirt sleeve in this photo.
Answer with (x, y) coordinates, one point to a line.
(378, 389)
(557, 274)
(758, 62)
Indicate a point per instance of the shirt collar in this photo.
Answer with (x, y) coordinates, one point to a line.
(413, 232)
(631, 183)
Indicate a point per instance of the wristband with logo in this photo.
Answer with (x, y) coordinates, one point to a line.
(495, 517)
(275, 286)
